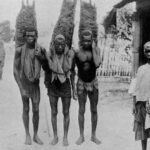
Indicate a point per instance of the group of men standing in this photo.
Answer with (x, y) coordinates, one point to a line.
(59, 67)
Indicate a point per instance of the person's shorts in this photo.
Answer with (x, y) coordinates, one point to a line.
(60, 89)
(139, 122)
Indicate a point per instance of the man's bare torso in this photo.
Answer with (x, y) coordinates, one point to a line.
(86, 66)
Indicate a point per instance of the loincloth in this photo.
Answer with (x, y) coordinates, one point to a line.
(88, 86)
(58, 89)
(30, 74)
(32, 90)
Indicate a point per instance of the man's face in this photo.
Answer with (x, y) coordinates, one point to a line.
(60, 46)
(147, 52)
(30, 37)
(87, 41)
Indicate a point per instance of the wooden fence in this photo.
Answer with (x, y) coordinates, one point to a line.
(115, 65)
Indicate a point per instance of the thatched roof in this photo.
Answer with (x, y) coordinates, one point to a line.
(111, 17)
(123, 3)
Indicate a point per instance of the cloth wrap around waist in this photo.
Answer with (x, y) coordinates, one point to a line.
(88, 86)
(30, 72)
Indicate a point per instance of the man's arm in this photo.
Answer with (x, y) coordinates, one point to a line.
(72, 77)
(70, 54)
(17, 67)
(43, 58)
(96, 55)
(134, 103)
(134, 87)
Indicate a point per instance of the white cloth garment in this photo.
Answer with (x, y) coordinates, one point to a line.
(140, 87)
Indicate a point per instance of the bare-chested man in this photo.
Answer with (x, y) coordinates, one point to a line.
(27, 73)
(58, 84)
(87, 61)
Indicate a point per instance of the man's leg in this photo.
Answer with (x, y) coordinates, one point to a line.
(25, 117)
(93, 97)
(53, 103)
(66, 106)
(82, 96)
(144, 144)
(35, 119)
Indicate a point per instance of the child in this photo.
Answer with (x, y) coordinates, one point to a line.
(140, 89)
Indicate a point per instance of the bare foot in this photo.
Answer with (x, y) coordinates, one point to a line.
(28, 140)
(37, 140)
(65, 142)
(80, 140)
(95, 140)
(54, 141)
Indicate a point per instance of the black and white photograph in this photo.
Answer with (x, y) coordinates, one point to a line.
(74, 74)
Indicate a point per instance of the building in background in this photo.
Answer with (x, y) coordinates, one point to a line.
(141, 34)
(117, 50)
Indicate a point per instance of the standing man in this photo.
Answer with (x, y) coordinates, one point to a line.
(57, 81)
(27, 73)
(87, 61)
(139, 89)
(2, 58)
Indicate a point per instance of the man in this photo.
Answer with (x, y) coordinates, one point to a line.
(87, 61)
(27, 73)
(139, 89)
(58, 84)
(2, 58)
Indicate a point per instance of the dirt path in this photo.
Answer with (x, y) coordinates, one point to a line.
(114, 126)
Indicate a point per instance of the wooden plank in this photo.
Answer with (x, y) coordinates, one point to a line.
(136, 44)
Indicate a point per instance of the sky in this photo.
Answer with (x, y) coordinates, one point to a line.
(47, 10)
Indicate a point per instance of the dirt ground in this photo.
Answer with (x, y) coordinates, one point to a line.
(114, 112)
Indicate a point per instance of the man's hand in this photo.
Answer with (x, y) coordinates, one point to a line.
(96, 54)
(40, 53)
(23, 92)
(133, 110)
(148, 107)
(95, 49)
(93, 45)
(75, 94)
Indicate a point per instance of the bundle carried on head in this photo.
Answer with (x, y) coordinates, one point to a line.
(65, 23)
(26, 20)
(88, 17)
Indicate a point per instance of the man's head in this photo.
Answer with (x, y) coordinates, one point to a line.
(60, 44)
(147, 50)
(87, 39)
(31, 36)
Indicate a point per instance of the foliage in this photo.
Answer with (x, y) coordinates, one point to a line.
(6, 33)
(124, 23)
(65, 23)
(26, 19)
(88, 18)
